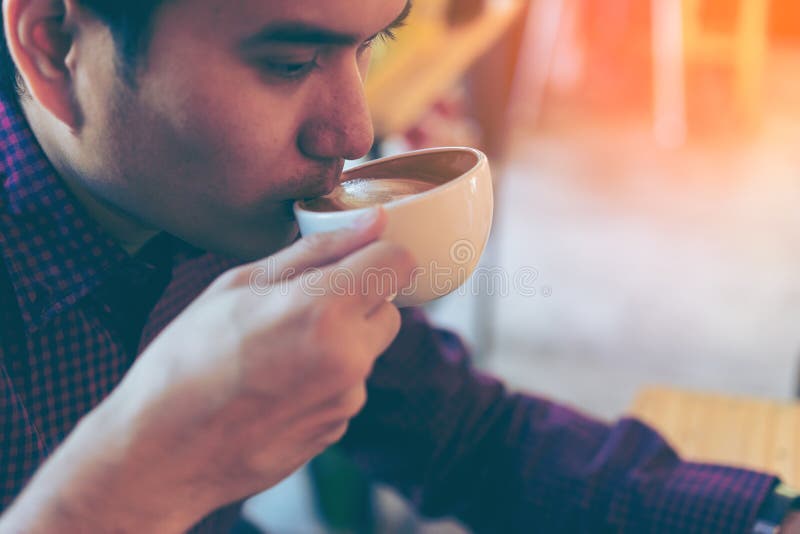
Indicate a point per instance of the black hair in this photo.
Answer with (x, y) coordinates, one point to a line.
(130, 22)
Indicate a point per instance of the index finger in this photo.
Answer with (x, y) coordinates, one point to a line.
(321, 250)
(371, 276)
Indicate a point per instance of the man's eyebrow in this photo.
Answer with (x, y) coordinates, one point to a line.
(301, 33)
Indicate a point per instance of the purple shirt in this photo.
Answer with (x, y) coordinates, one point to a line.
(76, 310)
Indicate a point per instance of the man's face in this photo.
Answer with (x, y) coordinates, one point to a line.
(240, 107)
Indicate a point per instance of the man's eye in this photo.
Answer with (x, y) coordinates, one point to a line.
(290, 70)
(366, 45)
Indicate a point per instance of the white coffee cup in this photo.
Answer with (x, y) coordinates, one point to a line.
(445, 228)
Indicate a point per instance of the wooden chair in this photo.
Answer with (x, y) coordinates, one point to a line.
(432, 55)
(681, 38)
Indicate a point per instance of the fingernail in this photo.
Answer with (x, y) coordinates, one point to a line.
(367, 219)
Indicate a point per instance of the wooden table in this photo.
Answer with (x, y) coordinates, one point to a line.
(743, 432)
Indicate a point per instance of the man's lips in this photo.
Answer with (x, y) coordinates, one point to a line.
(321, 181)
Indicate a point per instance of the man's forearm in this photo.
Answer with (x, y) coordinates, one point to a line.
(86, 487)
(458, 444)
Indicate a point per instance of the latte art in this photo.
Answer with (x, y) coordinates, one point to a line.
(367, 192)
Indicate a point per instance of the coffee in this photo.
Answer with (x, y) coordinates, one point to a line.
(367, 192)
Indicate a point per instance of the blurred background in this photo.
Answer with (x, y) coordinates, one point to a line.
(647, 164)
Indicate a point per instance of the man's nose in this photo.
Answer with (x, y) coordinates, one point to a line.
(339, 125)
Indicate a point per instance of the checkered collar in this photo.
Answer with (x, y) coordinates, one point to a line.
(55, 253)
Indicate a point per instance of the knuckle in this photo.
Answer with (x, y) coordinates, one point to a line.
(356, 401)
(345, 368)
(394, 321)
(338, 432)
(401, 258)
(348, 367)
(406, 258)
(408, 263)
(330, 434)
(231, 278)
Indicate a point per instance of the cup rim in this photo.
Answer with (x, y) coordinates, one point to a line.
(440, 188)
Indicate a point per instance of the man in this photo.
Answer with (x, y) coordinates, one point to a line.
(150, 149)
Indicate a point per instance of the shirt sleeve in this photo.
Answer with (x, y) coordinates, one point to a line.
(21, 450)
(456, 443)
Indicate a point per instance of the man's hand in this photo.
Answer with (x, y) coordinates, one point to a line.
(236, 394)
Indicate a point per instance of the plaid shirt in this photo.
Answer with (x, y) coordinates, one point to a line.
(76, 310)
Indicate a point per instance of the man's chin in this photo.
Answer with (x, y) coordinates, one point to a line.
(255, 243)
(263, 244)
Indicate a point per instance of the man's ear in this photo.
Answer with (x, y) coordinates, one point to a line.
(40, 42)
